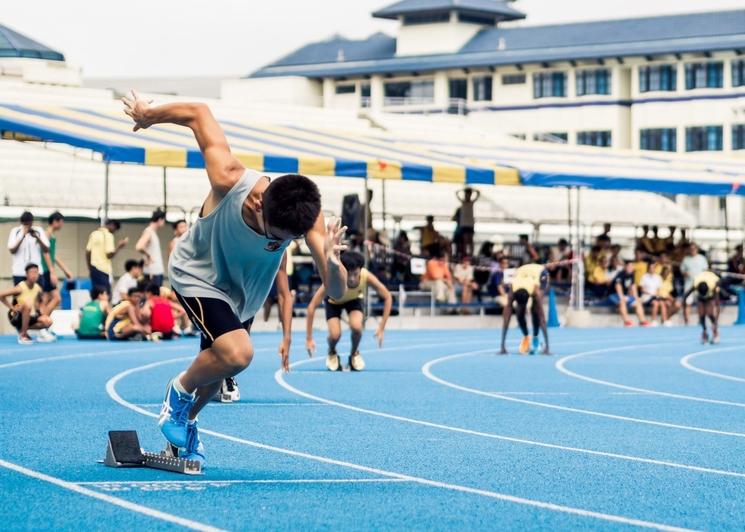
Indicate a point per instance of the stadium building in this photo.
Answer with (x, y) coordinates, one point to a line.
(668, 83)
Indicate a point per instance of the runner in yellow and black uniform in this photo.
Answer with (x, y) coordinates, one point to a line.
(527, 286)
(707, 287)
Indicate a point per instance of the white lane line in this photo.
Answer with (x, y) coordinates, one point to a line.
(116, 501)
(699, 469)
(239, 403)
(111, 390)
(561, 366)
(159, 484)
(427, 371)
(686, 363)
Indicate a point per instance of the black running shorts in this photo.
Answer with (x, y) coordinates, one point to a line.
(213, 317)
(334, 310)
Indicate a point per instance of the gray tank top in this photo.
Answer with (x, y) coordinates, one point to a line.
(223, 258)
(156, 255)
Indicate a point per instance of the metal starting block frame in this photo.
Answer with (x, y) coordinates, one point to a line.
(123, 450)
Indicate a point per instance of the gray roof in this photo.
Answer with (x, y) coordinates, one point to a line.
(697, 32)
(496, 8)
(13, 44)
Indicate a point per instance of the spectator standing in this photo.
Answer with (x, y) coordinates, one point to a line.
(466, 220)
(736, 265)
(49, 280)
(180, 228)
(429, 236)
(100, 250)
(693, 265)
(401, 258)
(149, 246)
(26, 244)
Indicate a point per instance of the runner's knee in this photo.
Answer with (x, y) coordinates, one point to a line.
(237, 356)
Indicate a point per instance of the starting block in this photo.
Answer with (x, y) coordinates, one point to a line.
(229, 392)
(123, 450)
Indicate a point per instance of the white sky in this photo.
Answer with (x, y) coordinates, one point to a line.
(140, 38)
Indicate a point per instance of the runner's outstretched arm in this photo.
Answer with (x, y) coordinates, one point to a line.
(223, 169)
(284, 302)
(325, 243)
(310, 344)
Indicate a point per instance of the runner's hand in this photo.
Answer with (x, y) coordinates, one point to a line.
(137, 108)
(333, 245)
(379, 335)
(310, 346)
(284, 355)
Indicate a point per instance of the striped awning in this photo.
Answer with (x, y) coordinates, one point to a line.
(268, 148)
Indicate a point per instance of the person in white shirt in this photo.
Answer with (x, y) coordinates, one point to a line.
(149, 246)
(26, 243)
(691, 267)
(463, 275)
(127, 281)
(650, 285)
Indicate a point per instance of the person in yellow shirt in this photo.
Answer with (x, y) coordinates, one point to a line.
(99, 251)
(124, 320)
(25, 312)
(352, 302)
(527, 284)
(707, 287)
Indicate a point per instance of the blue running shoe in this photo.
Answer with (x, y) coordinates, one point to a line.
(175, 414)
(194, 449)
(535, 346)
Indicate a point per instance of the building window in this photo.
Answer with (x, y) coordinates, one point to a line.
(594, 138)
(658, 78)
(738, 137)
(476, 19)
(661, 139)
(593, 81)
(346, 89)
(365, 94)
(513, 79)
(704, 75)
(409, 92)
(549, 84)
(557, 137)
(426, 18)
(458, 88)
(482, 87)
(518, 136)
(704, 138)
(738, 73)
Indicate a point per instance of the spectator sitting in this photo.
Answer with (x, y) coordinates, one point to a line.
(497, 283)
(26, 244)
(526, 251)
(437, 277)
(668, 304)
(592, 259)
(598, 279)
(562, 252)
(93, 316)
(615, 264)
(646, 243)
(125, 322)
(130, 279)
(650, 287)
(25, 312)
(640, 265)
(464, 279)
(626, 293)
(162, 313)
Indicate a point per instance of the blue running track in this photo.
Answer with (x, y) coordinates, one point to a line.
(618, 429)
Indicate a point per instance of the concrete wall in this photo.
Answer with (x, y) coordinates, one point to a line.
(281, 90)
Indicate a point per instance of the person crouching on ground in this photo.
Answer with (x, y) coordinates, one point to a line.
(162, 313)
(706, 287)
(25, 311)
(125, 322)
(93, 315)
(527, 287)
(352, 302)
